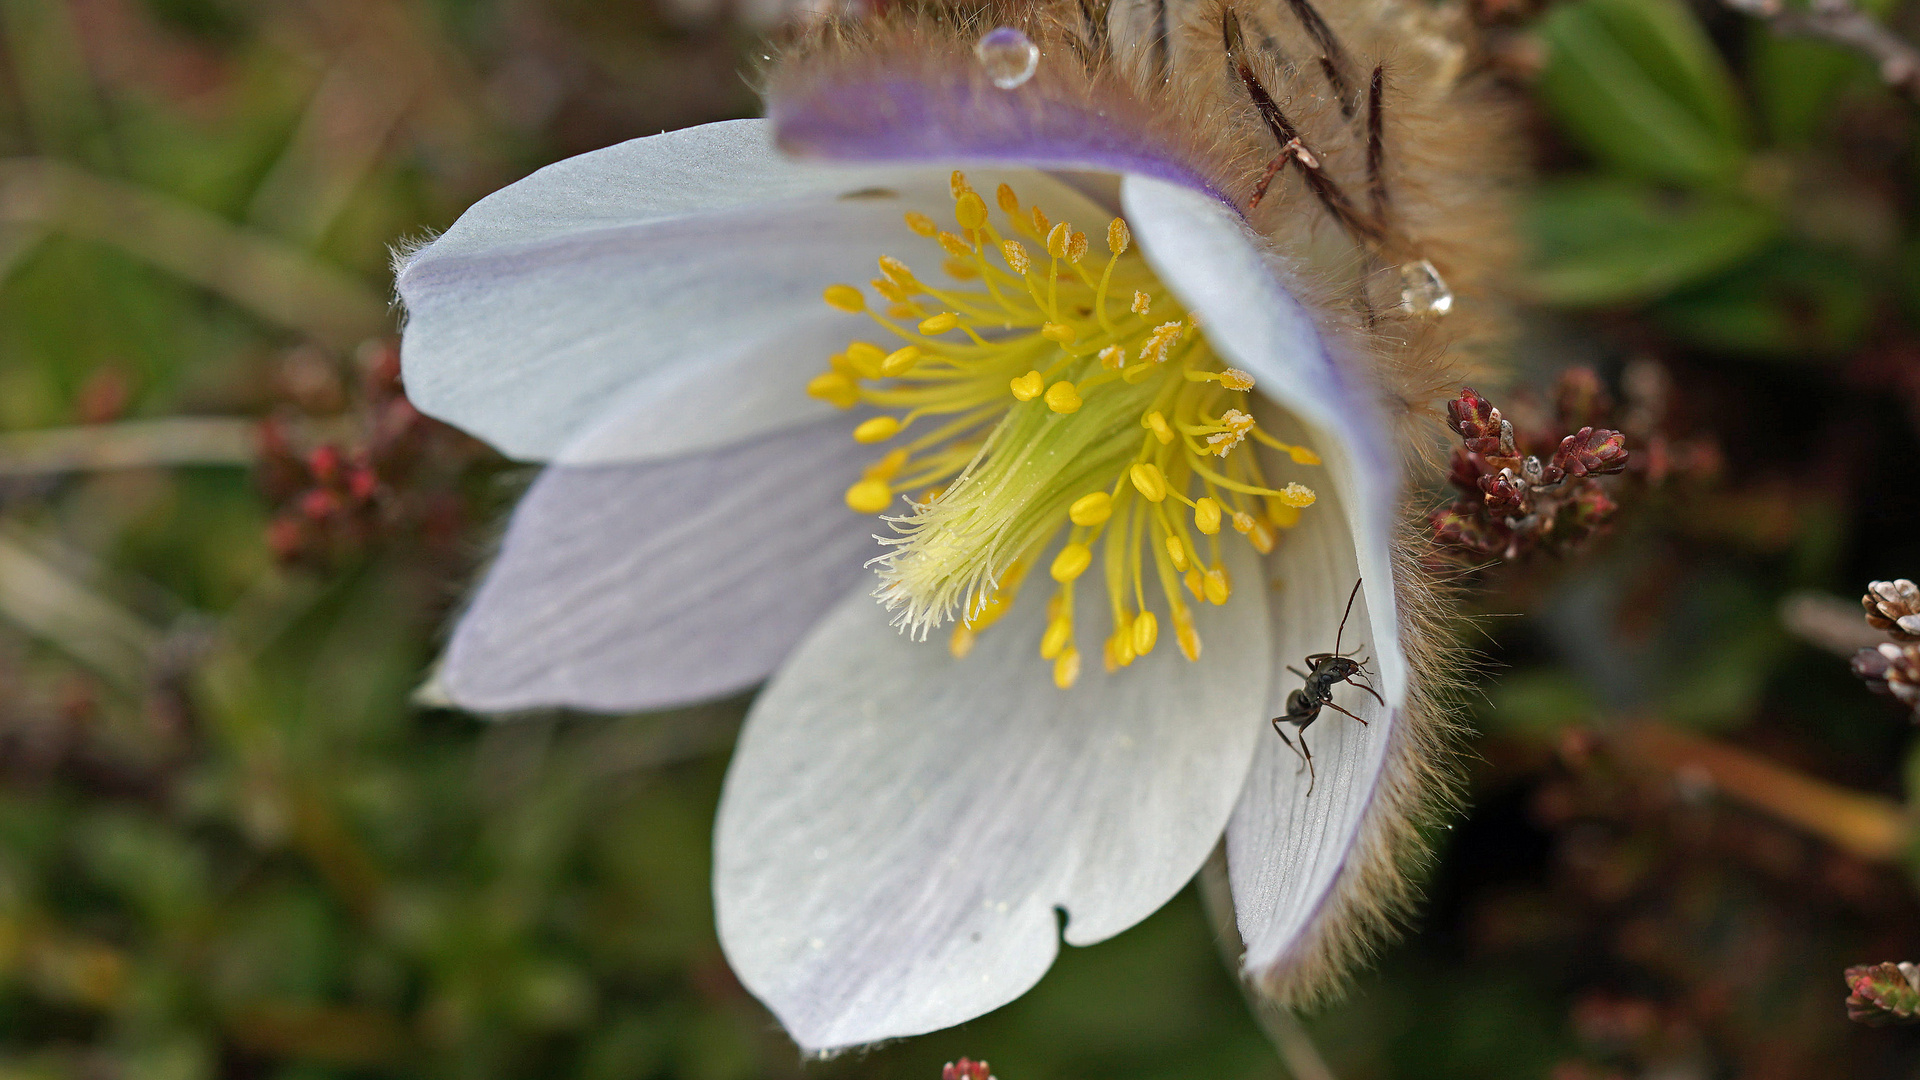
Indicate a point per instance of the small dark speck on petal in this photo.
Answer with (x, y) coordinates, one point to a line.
(872, 193)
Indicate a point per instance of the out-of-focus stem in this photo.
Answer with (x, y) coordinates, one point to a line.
(1869, 826)
(174, 440)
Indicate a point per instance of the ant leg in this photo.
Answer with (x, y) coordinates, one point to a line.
(1306, 759)
(1376, 694)
(1296, 671)
(1337, 708)
(1312, 777)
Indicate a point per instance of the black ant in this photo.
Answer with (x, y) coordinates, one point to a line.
(1304, 704)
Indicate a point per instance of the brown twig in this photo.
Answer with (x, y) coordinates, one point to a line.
(1868, 826)
(1842, 23)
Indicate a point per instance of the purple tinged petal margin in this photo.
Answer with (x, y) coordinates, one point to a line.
(944, 111)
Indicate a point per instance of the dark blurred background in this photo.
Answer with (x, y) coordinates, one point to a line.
(234, 843)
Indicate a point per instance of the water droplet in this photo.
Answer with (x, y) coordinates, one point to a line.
(1423, 291)
(1008, 55)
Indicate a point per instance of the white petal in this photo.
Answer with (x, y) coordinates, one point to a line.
(658, 296)
(898, 827)
(639, 586)
(1290, 855)
(1220, 269)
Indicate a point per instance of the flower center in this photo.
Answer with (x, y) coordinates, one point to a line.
(1028, 398)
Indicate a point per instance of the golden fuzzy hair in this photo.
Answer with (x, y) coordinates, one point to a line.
(1383, 97)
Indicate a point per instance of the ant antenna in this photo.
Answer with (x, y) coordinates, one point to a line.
(1343, 619)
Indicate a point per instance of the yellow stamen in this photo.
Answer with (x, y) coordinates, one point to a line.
(835, 388)
(1090, 510)
(1146, 631)
(1063, 398)
(1066, 670)
(1072, 561)
(869, 496)
(878, 429)
(1024, 388)
(1148, 480)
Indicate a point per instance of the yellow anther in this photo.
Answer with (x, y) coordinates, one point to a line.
(1110, 656)
(1090, 510)
(1029, 386)
(887, 467)
(1196, 583)
(900, 360)
(1077, 247)
(1009, 202)
(1146, 631)
(1159, 342)
(1057, 240)
(1235, 379)
(960, 269)
(845, 298)
(1063, 398)
(1206, 516)
(1282, 515)
(1218, 588)
(970, 210)
(1142, 303)
(1119, 237)
(1066, 669)
(898, 271)
(1296, 496)
(1060, 332)
(1303, 456)
(956, 247)
(1120, 645)
(1184, 633)
(921, 224)
(961, 643)
(1157, 423)
(890, 289)
(834, 388)
(878, 429)
(939, 324)
(869, 496)
(1177, 551)
(1263, 536)
(1113, 358)
(957, 183)
(866, 358)
(1072, 561)
(1148, 480)
(1016, 255)
(1242, 522)
(1041, 225)
(1059, 635)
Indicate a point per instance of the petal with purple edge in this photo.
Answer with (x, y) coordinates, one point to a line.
(1294, 859)
(1206, 254)
(946, 111)
(640, 586)
(898, 828)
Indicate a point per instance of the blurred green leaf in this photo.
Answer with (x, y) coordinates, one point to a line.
(1792, 301)
(1611, 241)
(1639, 83)
(1795, 81)
(1537, 704)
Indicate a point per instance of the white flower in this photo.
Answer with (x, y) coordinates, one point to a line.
(903, 834)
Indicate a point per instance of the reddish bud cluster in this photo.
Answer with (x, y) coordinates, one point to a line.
(392, 474)
(1883, 994)
(965, 1069)
(1520, 492)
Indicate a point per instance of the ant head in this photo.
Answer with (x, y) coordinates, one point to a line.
(1343, 666)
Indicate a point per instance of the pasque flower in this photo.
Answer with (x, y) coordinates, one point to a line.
(1019, 399)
